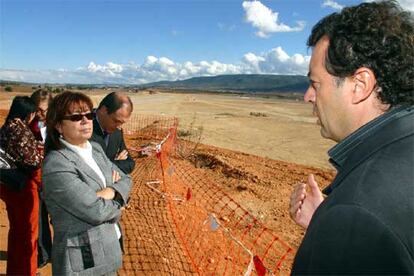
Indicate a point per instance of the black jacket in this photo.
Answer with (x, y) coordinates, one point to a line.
(366, 224)
(116, 144)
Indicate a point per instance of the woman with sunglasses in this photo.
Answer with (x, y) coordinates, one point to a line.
(84, 192)
(22, 205)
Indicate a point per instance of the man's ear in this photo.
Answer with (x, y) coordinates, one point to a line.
(104, 109)
(365, 82)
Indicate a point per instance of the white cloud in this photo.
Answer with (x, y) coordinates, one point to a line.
(275, 61)
(407, 5)
(265, 20)
(332, 4)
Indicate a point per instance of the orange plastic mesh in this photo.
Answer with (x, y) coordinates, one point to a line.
(179, 221)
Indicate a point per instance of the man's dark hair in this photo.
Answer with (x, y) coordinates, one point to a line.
(40, 95)
(377, 35)
(114, 101)
(21, 107)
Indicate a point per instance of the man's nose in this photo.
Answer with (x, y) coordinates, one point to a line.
(309, 95)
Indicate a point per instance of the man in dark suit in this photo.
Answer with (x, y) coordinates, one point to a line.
(361, 87)
(114, 110)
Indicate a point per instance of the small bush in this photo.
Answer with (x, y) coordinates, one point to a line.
(57, 90)
(8, 89)
(258, 114)
(184, 133)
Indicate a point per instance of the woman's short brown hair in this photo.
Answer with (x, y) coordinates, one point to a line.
(60, 106)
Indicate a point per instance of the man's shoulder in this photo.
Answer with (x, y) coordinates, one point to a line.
(388, 173)
(117, 132)
(391, 163)
(96, 127)
(382, 159)
(117, 135)
(382, 186)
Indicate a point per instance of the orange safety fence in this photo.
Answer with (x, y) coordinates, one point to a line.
(180, 221)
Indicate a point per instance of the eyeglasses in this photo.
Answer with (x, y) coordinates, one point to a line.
(78, 117)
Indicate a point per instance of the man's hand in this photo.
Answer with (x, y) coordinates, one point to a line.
(304, 203)
(106, 193)
(115, 176)
(122, 155)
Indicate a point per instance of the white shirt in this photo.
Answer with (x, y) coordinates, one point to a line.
(86, 155)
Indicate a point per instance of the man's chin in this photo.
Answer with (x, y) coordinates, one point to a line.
(318, 121)
(324, 134)
(327, 135)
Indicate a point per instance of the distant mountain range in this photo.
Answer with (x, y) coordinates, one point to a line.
(247, 83)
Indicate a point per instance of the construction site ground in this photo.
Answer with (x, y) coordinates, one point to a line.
(260, 182)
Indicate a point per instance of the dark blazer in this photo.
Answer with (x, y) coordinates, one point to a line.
(116, 144)
(84, 241)
(366, 224)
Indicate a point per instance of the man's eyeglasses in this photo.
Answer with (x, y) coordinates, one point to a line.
(78, 117)
(43, 111)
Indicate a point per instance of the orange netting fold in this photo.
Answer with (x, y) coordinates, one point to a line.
(201, 229)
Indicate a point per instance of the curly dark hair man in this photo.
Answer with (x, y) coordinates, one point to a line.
(378, 35)
(361, 77)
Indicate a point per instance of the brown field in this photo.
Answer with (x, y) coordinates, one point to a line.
(276, 142)
(288, 132)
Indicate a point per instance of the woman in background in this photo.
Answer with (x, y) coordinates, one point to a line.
(22, 206)
(42, 98)
(83, 190)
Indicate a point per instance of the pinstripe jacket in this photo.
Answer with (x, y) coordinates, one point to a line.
(85, 241)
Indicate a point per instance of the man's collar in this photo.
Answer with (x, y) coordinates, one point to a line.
(340, 152)
(99, 124)
(392, 126)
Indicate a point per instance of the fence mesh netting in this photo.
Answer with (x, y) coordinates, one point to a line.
(180, 221)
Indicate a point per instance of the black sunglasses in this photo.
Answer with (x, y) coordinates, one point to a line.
(78, 117)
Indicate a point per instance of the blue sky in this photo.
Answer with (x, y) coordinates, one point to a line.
(126, 41)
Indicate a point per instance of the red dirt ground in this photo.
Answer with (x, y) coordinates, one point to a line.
(261, 185)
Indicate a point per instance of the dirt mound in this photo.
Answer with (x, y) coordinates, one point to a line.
(262, 185)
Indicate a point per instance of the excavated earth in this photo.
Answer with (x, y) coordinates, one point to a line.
(261, 185)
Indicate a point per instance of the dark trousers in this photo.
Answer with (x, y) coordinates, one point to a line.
(44, 243)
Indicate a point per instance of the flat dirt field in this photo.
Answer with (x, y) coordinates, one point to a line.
(271, 144)
(287, 132)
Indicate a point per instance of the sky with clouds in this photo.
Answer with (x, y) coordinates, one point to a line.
(137, 41)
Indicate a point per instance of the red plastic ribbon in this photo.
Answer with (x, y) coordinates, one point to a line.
(260, 268)
(189, 194)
